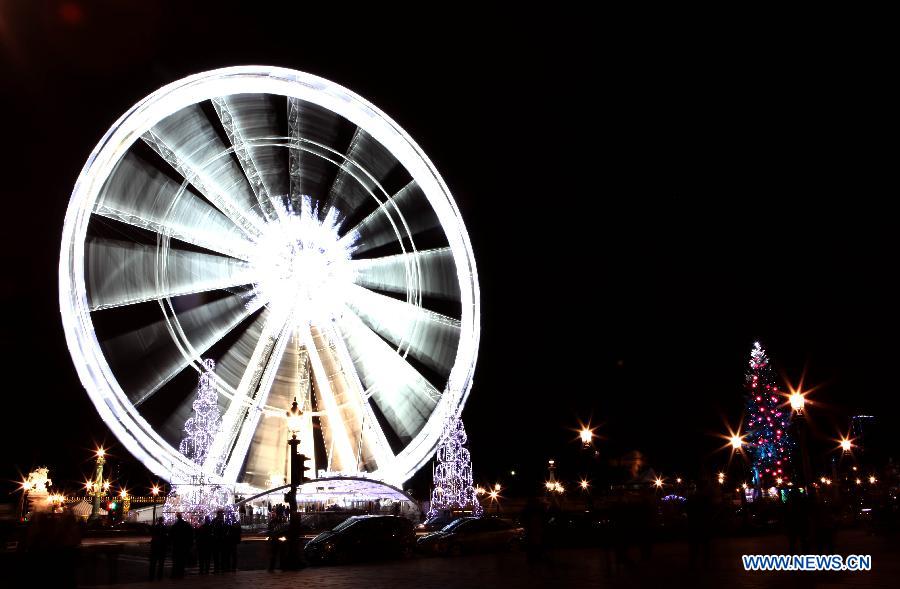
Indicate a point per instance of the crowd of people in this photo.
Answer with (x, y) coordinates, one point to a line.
(215, 541)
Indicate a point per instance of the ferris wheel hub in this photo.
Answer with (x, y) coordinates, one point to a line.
(303, 267)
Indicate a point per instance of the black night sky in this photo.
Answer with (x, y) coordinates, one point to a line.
(642, 205)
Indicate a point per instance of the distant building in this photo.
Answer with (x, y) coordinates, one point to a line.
(862, 430)
(867, 435)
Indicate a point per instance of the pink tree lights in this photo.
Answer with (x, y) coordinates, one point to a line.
(767, 440)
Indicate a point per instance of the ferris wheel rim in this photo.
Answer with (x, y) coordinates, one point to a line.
(117, 410)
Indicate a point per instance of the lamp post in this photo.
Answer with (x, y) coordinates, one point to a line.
(23, 507)
(155, 492)
(294, 423)
(98, 487)
(587, 436)
(798, 404)
(495, 499)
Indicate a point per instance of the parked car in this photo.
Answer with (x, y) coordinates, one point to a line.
(472, 534)
(437, 522)
(363, 537)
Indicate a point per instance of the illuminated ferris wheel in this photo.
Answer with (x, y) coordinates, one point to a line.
(284, 227)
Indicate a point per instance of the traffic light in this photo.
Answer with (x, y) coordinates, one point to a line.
(298, 469)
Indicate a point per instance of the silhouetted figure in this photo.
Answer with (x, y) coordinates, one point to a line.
(51, 543)
(621, 533)
(232, 539)
(272, 534)
(823, 524)
(796, 521)
(700, 515)
(204, 545)
(293, 559)
(219, 552)
(182, 535)
(533, 520)
(645, 526)
(159, 542)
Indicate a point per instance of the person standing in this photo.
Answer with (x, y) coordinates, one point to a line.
(219, 551)
(182, 539)
(533, 519)
(272, 535)
(204, 545)
(159, 539)
(232, 539)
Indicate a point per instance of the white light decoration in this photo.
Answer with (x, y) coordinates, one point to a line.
(196, 499)
(322, 259)
(453, 488)
(38, 481)
(203, 426)
(302, 266)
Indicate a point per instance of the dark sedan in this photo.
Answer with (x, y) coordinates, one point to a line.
(363, 537)
(436, 522)
(472, 534)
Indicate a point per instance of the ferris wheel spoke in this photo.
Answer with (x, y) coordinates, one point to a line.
(404, 396)
(248, 120)
(406, 212)
(428, 336)
(139, 195)
(367, 163)
(266, 454)
(252, 418)
(373, 448)
(189, 143)
(249, 396)
(310, 127)
(229, 369)
(342, 415)
(150, 357)
(119, 273)
(435, 269)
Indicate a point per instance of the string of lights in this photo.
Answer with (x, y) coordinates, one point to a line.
(196, 500)
(768, 442)
(453, 486)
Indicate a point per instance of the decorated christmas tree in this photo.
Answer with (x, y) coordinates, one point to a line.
(767, 439)
(453, 487)
(197, 499)
(203, 426)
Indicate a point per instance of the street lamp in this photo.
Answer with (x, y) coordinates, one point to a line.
(155, 492)
(736, 441)
(294, 423)
(98, 487)
(587, 436)
(494, 495)
(26, 488)
(294, 419)
(846, 444)
(797, 400)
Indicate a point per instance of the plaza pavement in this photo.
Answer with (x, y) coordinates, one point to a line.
(668, 566)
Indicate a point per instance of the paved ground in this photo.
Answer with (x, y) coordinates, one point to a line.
(668, 566)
